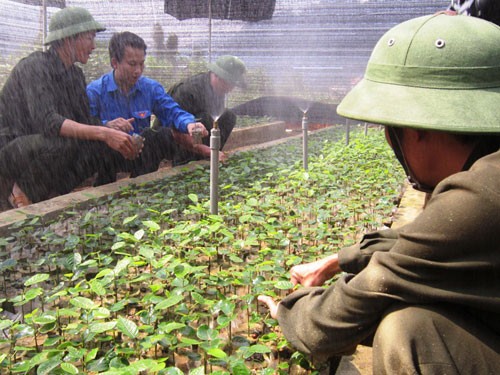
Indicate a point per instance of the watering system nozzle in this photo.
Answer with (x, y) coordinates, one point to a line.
(304, 140)
(214, 168)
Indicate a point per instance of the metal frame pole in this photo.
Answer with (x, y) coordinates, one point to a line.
(214, 169)
(209, 31)
(44, 24)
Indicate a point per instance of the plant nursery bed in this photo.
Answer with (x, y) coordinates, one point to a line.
(263, 133)
(253, 135)
(146, 280)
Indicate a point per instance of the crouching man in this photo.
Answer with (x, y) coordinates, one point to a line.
(426, 296)
(49, 142)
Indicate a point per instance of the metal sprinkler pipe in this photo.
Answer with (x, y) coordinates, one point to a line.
(304, 140)
(214, 168)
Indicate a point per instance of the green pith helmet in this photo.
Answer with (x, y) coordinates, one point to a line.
(71, 21)
(438, 72)
(230, 69)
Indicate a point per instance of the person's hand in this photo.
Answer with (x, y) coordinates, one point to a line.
(123, 143)
(222, 157)
(205, 150)
(197, 127)
(315, 273)
(124, 125)
(272, 305)
(138, 143)
(186, 141)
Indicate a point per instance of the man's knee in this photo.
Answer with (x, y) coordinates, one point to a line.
(402, 340)
(399, 323)
(431, 340)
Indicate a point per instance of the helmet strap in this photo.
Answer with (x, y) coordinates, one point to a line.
(398, 151)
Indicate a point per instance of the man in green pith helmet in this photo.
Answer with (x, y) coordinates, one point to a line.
(48, 141)
(425, 296)
(204, 96)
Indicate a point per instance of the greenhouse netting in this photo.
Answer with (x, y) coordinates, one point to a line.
(313, 47)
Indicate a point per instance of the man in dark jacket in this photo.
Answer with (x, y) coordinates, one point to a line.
(48, 141)
(426, 295)
(204, 96)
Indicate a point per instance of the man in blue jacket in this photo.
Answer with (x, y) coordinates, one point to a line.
(125, 100)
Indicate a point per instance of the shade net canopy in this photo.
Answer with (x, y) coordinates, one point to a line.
(48, 3)
(312, 48)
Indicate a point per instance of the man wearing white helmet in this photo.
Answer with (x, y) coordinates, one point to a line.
(426, 295)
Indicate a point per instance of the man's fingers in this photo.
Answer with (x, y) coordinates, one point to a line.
(266, 300)
(128, 149)
(271, 304)
(295, 277)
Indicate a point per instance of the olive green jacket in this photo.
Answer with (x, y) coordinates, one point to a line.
(449, 255)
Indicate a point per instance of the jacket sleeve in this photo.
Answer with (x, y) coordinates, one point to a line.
(325, 322)
(169, 111)
(354, 259)
(449, 254)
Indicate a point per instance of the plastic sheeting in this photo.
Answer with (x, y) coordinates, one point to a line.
(243, 10)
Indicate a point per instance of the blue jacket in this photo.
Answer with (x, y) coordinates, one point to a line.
(147, 97)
